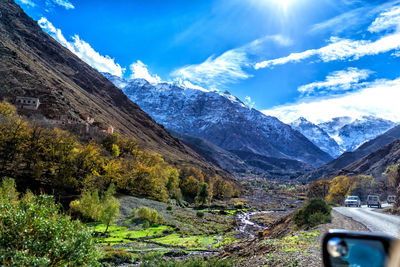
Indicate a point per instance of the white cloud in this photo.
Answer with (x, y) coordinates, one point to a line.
(378, 98)
(140, 71)
(229, 67)
(341, 49)
(63, 3)
(216, 71)
(338, 80)
(27, 2)
(248, 101)
(83, 50)
(386, 20)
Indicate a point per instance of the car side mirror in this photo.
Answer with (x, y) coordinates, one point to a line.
(346, 248)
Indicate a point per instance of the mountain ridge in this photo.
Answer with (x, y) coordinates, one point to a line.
(222, 119)
(34, 64)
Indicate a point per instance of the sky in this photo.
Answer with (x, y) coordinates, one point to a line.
(288, 58)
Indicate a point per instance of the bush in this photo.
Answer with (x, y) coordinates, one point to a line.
(148, 214)
(200, 214)
(239, 205)
(117, 257)
(169, 208)
(33, 232)
(314, 212)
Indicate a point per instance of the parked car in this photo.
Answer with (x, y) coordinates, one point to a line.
(374, 201)
(352, 201)
(391, 199)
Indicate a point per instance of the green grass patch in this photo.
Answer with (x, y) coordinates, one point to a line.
(118, 234)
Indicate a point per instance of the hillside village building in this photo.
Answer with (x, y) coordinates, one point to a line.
(31, 103)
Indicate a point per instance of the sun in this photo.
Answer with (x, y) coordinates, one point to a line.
(285, 4)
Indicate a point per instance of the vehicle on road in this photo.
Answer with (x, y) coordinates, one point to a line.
(374, 201)
(352, 201)
(391, 199)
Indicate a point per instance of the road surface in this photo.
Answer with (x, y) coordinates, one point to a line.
(374, 221)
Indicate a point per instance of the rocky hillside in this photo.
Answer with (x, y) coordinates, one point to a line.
(375, 163)
(222, 119)
(245, 164)
(330, 169)
(316, 135)
(34, 64)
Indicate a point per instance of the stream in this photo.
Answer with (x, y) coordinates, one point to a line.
(248, 228)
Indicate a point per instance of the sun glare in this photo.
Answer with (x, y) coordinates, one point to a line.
(283, 3)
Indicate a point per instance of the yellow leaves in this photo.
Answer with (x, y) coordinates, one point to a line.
(7, 110)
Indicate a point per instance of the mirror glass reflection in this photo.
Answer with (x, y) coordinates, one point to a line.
(356, 252)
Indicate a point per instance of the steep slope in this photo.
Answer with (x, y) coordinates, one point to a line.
(350, 157)
(316, 135)
(245, 164)
(221, 119)
(34, 64)
(375, 163)
(350, 134)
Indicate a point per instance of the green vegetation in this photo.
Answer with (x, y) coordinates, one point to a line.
(39, 157)
(156, 260)
(104, 209)
(289, 251)
(33, 232)
(314, 212)
(148, 214)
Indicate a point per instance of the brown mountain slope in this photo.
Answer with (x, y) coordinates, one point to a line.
(375, 163)
(329, 169)
(34, 64)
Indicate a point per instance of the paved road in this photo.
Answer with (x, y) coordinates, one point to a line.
(374, 221)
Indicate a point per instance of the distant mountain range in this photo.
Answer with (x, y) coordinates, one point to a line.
(221, 119)
(343, 163)
(342, 134)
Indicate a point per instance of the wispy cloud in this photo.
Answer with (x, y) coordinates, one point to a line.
(378, 98)
(353, 18)
(216, 71)
(140, 71)
(83, 50)
(342, 49)
(337, 81)
(63, 3)
(26, 2)
(230, 67)
(386, 21)
(249, 102)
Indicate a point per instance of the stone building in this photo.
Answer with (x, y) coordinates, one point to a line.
(24, 102)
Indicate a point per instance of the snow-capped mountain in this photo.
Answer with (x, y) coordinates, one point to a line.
(220, 118)
(317, 135)
(350, 134)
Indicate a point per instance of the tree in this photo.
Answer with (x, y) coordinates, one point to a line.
(318, 189)
(109, 211)
(338, 189)
(34, 232)
(202, 194)
(104, 209)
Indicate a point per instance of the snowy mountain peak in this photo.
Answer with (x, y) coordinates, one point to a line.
(317, 135)
(222, 119)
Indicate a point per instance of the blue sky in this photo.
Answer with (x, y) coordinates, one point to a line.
(288, 58)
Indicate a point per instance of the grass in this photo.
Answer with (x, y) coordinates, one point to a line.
(118, 234)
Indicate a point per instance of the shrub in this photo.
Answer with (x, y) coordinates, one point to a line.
(169, 208)
(200, 214)
(33, 232)
(117, 257)
(314, 212)
(239, 205)
(148, 214)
